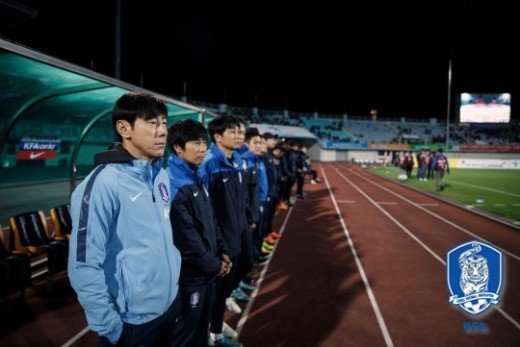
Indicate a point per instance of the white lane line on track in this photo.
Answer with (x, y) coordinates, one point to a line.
(456, 226)
(370, 293)
(386, 202)
(245, 314)
(76, 337)
(427, 204)
(481, 188)
(345, 201)
(429, 250)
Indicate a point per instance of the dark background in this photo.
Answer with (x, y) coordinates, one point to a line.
(325, 56)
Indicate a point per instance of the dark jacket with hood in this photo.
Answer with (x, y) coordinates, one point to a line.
(194, 228)
(224, 180)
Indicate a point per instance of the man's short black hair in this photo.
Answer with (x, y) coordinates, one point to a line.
(269, 135)
(220, 124)
(241, 120)
(251, 132)
(184, 131)
(281, 146)
(132, 105)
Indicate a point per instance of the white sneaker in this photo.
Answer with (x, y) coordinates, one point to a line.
(313, 182)
(228, 331)
(232, 306)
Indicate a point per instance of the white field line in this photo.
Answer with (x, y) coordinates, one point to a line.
(481, 188)
(370, 293)
(76, 337)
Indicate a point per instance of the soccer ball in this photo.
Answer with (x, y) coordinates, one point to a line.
(402, 177)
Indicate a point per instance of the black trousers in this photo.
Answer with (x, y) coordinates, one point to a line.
(223, 288)
(289, 183)
(160, 331)
(258, 233)
(299, 185)
(267, 223)
(197, 303)
(246, 258)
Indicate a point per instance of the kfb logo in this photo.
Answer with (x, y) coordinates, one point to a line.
(474, 276)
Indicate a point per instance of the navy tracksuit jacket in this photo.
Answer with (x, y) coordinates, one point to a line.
(252, 188)
(224, 180)
(195, 231)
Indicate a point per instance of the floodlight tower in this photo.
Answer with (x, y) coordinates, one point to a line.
(449, 107)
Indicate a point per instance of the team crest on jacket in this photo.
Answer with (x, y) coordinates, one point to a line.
(194, 299)
(164, 192)
(474, 273)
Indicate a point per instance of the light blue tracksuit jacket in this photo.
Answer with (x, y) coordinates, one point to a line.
(122, 261)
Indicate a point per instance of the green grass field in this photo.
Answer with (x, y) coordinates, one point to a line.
(496, 191)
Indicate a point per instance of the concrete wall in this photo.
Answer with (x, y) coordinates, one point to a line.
(481, 155)
(318, 153)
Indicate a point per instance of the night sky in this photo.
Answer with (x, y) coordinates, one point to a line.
(329, 57)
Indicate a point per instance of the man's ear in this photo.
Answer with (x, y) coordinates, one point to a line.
(177, 149)
(123, 128)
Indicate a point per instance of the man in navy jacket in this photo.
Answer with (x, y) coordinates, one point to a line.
(222, 175)
(195, 231)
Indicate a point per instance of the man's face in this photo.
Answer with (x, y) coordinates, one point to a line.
(229, 139)
(146, 139)
(193, 152)
(277, 153)
(254, 145)
(241, 135)
(304, 150)
(263, 146)
(271, 143)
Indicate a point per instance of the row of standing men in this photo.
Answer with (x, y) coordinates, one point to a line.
(154, 253)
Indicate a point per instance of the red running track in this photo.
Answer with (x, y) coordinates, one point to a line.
(314, 294)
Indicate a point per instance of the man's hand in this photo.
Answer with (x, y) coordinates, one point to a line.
(224, 269)
(226, 265)
(226, 259)
(252, 226)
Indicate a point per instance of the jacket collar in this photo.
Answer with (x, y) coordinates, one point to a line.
(217, 153)
(119, 155)
(180, 169)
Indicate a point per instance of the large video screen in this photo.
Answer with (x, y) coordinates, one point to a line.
(485, 108)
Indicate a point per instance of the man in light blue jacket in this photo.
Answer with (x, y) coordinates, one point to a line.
(122, 261)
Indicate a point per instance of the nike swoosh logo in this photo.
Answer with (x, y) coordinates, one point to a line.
(133, 198)
(35, 155)
(224, 180)
(195, 194)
